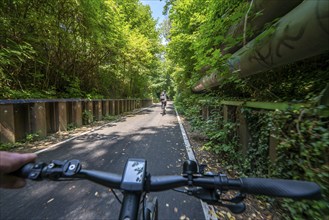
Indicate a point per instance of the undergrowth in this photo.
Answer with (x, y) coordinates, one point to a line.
(302, 151)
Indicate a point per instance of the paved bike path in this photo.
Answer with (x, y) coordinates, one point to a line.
(148, 134)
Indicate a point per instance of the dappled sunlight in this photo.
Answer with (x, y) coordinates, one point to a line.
(108, 149)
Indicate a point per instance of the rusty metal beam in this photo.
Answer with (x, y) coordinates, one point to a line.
(302, 33)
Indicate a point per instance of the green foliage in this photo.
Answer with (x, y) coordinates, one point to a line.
(303, 153)
(32, 137)
(87, 117)
(72, 48)
(202, 36)
(71, 126)
(7, 146)
(110, 118)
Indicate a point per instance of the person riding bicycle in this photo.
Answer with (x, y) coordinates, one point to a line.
(163, 99)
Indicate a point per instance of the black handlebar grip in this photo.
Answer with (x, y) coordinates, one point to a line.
(281, 188)
(24, 171)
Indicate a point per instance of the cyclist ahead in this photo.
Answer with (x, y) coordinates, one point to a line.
(163, 99)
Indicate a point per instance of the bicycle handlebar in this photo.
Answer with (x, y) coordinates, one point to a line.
(281, 188)
(257, 186)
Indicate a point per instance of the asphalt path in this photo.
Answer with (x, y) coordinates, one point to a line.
(147, 134)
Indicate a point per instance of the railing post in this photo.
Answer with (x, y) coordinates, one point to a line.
(225, 113)
(124, 105)
(69, 112)
(52, 117)
(121, 106)
(273, 145)
(97, 110)
(38, 119)
(117, 107)
(205, 112)
(112, 107)
(7, 124)
(106, 107)
(90, 110)
(62, 116)
(22, 120)
(244, 136)
(77, 113)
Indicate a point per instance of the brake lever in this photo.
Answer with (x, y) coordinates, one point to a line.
(236, 208)
(236, 199)
(206, 195)
(212, 197)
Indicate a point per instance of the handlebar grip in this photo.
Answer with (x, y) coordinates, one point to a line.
(281, 188)
(24, 171)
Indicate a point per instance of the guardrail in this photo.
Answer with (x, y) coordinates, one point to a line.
(232, 111)
(18, 118)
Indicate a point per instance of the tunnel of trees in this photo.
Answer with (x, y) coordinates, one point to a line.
(113, 49)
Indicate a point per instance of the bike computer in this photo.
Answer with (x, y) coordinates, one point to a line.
(134, 175)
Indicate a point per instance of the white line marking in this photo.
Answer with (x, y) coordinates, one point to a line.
(208, 210)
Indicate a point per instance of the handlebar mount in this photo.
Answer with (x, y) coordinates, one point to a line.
(53, 171)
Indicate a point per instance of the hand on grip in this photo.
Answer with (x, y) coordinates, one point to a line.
(281, 188)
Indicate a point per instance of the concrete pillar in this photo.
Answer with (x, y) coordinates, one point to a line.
(7, 124)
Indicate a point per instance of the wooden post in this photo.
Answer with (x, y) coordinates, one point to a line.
(225, 113)
(97, 110)
(106, 107)
(69, 113)
(112, 107)
(117, 107)
(38, 119)
(273, 145)
(134, 104)
(7, 124)
(52, 117)
(88, 112)
(121, 106)
(22, 121)
(77, 113)
(62, 116)
(124, 101)
(243, 131)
